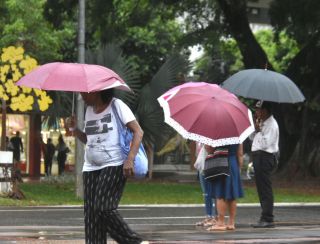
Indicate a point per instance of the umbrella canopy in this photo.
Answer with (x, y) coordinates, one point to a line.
(263, 85)
(74, 77)
(207, 113)
(172, 91)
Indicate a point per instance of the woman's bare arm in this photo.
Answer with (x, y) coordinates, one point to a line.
(71, 123)
(240, 155)
(80, 135)
(209, 149)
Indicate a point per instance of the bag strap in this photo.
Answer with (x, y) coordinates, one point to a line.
(120, 124)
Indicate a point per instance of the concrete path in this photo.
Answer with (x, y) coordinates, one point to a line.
(161, 224)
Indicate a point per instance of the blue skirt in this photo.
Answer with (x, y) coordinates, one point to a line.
(230, 187)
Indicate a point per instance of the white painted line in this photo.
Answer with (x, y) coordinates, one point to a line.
(61, 210)
(315, 204)
(296, 204)
(39, 227)
(180, 217)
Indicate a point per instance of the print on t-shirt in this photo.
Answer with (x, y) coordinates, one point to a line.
(97, 132)
(99, 126)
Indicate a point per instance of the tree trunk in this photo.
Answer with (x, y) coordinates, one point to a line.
(35, 144)
(3, 125)
(305, 70)
(235, 13)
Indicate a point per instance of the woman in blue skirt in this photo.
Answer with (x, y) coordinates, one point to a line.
(226, 190)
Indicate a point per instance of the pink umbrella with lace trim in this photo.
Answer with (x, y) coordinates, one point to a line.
(207, 113)
(74, 77)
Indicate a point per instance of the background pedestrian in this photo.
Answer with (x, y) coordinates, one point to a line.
(48, 156)
(17, 146)
(63, 150)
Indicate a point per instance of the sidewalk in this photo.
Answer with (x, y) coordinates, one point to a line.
(160, 224)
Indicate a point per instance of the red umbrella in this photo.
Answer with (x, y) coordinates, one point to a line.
(208, 114)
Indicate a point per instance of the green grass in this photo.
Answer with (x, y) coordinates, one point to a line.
(143, 192)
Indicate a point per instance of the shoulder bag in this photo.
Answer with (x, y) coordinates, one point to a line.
(126, 136)
(217, 164)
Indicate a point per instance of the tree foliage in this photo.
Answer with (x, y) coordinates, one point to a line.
(146, 31)
(225, 58)
(300, 18)
(23, 24)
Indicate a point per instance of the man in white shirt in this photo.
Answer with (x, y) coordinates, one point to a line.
(265, 145)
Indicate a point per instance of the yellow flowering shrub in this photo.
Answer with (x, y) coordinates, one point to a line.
(44, 101)
(22, 102)
(28, 64)
(13, 65)
(12, 54)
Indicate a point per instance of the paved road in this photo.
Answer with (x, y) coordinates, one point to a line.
(162, 224)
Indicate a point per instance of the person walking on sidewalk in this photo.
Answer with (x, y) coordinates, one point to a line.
(48, 156)
(63, 150)
(105, 168)
(264, 147)
(17, 146)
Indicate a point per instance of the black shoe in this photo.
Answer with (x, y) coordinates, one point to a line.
(263, 224)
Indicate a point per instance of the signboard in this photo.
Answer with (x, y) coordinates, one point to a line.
(6, 157)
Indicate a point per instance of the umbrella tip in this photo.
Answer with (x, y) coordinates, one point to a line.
(266, 66)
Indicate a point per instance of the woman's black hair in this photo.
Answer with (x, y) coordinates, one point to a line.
(106, 95)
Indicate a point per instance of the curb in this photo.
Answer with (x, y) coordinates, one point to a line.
(297, 204)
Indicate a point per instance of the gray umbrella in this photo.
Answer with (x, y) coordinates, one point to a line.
(263, 85)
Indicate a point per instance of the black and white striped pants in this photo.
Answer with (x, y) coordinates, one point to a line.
(102, 193)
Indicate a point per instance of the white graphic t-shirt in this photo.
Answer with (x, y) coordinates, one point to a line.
(103, 147)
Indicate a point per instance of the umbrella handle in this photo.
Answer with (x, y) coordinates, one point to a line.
(72, 109)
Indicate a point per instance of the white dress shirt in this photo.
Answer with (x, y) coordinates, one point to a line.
(267, 139)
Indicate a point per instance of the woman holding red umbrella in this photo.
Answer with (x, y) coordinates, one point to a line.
(208, 114)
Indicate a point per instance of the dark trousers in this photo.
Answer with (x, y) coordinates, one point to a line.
(61, 163)
(264, 164)
(48, 166)
(102, 193)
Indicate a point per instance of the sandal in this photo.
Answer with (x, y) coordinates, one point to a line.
(231, 227)
(217, 228)
(210, 222)
(203, 222)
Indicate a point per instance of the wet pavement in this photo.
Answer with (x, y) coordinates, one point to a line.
(161, 224)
